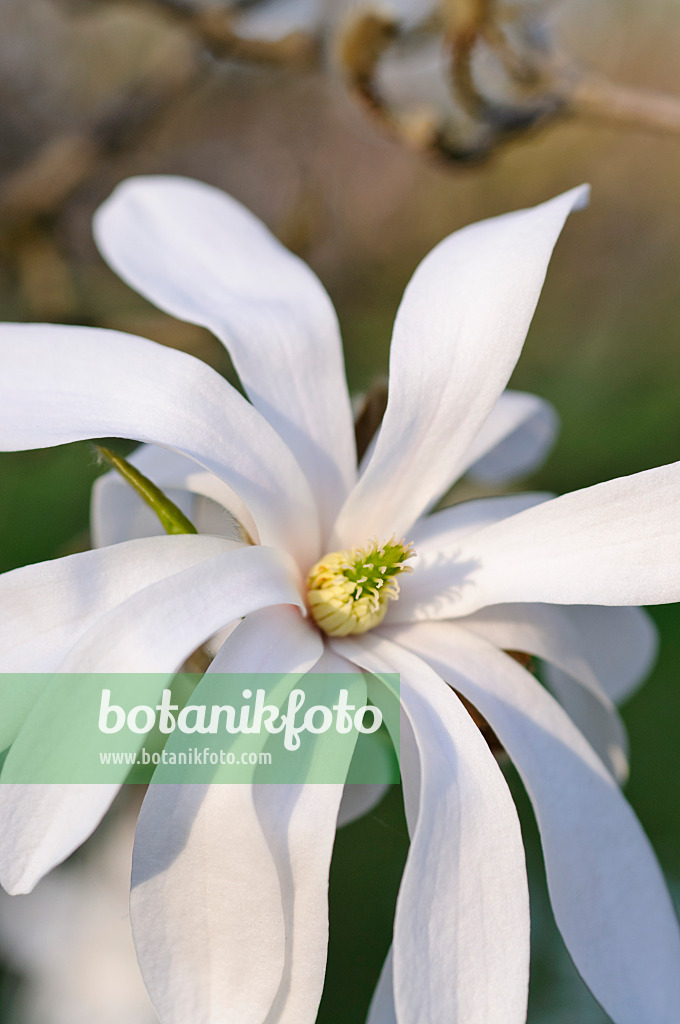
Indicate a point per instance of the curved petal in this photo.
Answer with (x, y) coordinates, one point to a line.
(461, 931)
(458, 334)
(30, 845)
(206, 902)
(436, 531)
(515, 439)
(441, 532)
(358, 799)
(616, 543)
(158, 628)
(382, 1010)
(300, 823)
(548, 633)
(47, 607)
(200, 255)
(620, 645)
(118, 513)
(607, 892)
(151, 633)
(597, 721)
(60, 384)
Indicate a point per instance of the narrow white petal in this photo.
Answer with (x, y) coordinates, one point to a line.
(48, 606)
(515, 439)
(151, 632)
(270, 640)
(442, 532)
(599, 722)
(46, 810)
(616, 543)
(60, 384)
(43, 824)
(620, 644)
(300, 823)
(260, 856)
(458, 334)
(206, 904)
(434, 532)
(200, 255)
(382, 1009)
(548, 632)
(358, 799)
(607, 891)
(461, 933)
(158, 628)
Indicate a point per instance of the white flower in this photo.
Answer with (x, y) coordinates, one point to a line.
(70, 939)
(229, 884)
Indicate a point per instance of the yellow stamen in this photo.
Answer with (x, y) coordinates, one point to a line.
(348, 591)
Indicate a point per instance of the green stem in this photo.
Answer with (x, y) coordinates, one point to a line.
(171, 517)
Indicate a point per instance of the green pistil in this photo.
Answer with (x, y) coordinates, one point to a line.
(376, 568)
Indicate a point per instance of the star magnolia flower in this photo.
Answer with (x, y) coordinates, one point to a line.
(229, 898)
(70, 939)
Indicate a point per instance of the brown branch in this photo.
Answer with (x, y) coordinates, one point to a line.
(595, 97)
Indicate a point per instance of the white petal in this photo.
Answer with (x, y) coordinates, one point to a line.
(158, 628)
(607, 892)
(620, 644)
(616, 543)
(515, 439)
(43, 824)
(283, 833)
(443, 531)
(118, 513)
(200, 255)
(461, 932)
(358, 799)
(44, 815)
(434, 532)
(206, 902)
(151, 632)
(382, 1009)
(206, 906)
(547, 632)
(599, 723)
(270, 640)
(60, 384)
(47, 607)
(300, 822)
(458, 334)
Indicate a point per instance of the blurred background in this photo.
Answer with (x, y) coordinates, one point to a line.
(358, 145)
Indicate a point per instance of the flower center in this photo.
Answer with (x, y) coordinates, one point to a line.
(348, 591)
